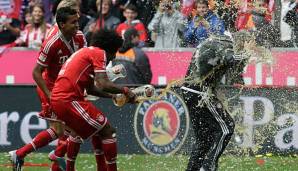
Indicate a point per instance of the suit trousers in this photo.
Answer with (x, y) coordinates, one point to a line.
(213, 128)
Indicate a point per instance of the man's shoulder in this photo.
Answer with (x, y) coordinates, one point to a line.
(123, 25)
(95, 51)
(216, 40)
(113, 19)
(53, 41)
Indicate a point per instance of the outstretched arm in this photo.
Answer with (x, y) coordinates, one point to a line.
(93, 90)
(105, 85)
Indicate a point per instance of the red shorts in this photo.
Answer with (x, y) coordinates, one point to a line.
(46, 110)
(80, 116)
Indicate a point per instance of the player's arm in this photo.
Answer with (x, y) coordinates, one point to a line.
(37, 76)
(93, 90)
(103, 83)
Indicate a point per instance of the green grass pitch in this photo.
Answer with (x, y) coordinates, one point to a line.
(86, 162)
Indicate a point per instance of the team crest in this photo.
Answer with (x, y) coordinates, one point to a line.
(161, 127)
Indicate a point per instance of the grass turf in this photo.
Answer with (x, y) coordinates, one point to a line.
(86, 162)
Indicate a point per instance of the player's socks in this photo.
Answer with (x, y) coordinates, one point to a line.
(41, 139)
(61, 147)
(99, 155)
(73, 149)
(55, 167)
(109, 147)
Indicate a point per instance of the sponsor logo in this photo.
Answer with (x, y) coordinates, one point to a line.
(63, 59)
(100, 118)
(161, 127)
(42, 57)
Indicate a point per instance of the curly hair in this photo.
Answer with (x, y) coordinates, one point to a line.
(107, 40)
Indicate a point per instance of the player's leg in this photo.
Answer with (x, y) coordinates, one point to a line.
(42, 139)
(91, 121)
(73, 148)
(99, 154)
(202, 138)
(57, 155)
(55, 167)
(223, 126)
(109, 146)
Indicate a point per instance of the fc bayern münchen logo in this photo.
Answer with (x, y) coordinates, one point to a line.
(161, 127)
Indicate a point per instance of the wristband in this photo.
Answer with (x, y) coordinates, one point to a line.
(125, 90)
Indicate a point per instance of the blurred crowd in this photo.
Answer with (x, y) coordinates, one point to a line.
(160, 23)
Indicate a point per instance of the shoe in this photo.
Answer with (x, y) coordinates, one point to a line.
(17, 162)
(60, 160)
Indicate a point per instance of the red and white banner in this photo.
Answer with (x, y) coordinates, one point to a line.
(16, 67)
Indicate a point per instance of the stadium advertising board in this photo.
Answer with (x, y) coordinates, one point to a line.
(266, 118)
(166, 65)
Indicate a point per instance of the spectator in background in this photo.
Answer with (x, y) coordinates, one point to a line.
(130, 13)
(9, 29)
(204, 24)
(292, 19)
(47, 8)
(35, 32)
(288, 22)
(146, 10)
(104, 19)
(27, 18)
(167, 26)
(134, 60)
(249, 8)
(227, 11)
(116, 8)
(84, 19)
(266, 34)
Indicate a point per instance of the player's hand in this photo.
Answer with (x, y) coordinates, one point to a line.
(92, 27)
(130, 95)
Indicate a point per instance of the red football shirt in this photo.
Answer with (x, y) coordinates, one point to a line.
(53, 30)
(137, 24)
(78, 72)
(55, 51)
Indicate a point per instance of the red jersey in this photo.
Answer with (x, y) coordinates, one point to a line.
(137, 24)
(53, 30)
(77, 73)
(55, 51)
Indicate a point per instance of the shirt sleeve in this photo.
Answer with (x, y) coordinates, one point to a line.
(45, 53)
(99, 61)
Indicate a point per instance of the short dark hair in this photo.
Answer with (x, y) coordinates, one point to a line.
(108, 40)
(131, 7)
(205, 2)
(63, 14)
(128, 35)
